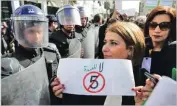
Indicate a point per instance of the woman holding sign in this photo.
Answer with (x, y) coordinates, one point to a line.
(122, 41)
(125, 41)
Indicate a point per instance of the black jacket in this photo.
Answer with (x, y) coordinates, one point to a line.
(59, 38)
(162, 62)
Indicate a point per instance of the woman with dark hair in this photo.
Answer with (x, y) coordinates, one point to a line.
(168, 12)
(160, 58)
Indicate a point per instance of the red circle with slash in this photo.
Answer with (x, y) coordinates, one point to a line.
(88, 88)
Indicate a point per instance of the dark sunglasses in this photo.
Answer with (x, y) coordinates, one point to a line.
(163, 25)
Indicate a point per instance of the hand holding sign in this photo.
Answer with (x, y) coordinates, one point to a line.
(96, 76)
(57, 87)
(143, 92)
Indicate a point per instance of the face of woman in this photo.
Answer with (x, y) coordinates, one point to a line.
(114, 47)
(159, 28)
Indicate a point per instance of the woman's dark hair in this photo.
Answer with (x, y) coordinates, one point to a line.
(163, 10)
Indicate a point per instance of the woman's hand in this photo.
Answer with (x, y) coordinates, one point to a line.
(57, 87)
(143, 92)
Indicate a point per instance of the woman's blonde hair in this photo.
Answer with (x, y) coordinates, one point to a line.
(133, 37)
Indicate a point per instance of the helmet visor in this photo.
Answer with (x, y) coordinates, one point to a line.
(69, 16)
(31, 33)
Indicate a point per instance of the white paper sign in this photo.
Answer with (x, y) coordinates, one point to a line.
(96, 76)
(164, 93)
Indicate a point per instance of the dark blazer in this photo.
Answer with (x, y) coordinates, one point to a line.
(163, 61)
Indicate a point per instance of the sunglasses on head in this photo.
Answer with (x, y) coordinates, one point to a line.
(163, 25)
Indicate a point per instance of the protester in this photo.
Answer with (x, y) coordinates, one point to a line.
(159, 57)
(122, 41)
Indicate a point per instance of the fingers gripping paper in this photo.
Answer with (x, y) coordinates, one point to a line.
(28, 87)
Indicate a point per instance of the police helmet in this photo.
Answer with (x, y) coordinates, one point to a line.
(30, 26)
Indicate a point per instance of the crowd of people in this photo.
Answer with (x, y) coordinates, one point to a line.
(148, 41)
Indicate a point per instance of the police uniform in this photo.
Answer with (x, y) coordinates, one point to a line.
(51, 19)
(82, 30)
(60, 39)
(66, 15)
(27, 55)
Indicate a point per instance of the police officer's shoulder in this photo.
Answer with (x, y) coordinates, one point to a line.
(7, 55)
(9, 66)
(89, 25)
(79, 36)
(51, 52)
(51, 47)
(57, 36)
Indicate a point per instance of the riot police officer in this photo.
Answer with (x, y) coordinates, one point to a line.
(53, 25)
(31, 32)
(83, 29)
(68, 16)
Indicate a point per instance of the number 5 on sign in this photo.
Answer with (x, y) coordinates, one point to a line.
(93, 81)
(96, 84)
(83, 76)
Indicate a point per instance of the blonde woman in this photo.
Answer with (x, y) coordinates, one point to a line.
(122, 41)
